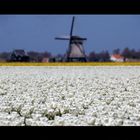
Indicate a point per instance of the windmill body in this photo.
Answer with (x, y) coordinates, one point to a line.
(75, 50)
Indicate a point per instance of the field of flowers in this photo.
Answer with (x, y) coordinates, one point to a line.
(71, 64)
(65, 96)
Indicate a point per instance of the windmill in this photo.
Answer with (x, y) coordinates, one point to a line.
(75, 50)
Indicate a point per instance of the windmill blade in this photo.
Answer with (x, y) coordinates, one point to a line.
(63, 38)
(71, 31)
(59, 38)
(72, 25)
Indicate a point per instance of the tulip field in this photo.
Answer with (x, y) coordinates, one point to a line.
(69, 95)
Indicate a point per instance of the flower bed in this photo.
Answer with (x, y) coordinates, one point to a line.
(79, 96)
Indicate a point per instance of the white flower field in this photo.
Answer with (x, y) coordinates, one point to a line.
(69, 96)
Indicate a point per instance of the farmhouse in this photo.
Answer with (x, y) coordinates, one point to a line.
(19, 56)
(117, 58)
(45, 59)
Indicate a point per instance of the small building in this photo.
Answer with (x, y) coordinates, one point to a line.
(19, 56)
(117, 58)
(2, 60)
(56, 59)
(45, 59)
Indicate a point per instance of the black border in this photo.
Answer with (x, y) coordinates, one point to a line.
(69, 7)
(70, 132)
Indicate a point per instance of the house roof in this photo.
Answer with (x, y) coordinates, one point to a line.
(117, 56)
(19, 52)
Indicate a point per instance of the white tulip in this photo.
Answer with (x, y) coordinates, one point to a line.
(46, 96)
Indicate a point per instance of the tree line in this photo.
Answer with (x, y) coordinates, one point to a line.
(105, 56)
(92, 56)
(33, 55)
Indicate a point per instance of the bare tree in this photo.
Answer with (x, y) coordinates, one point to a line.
(102, 56)
(92, 56)
(33, 56)
(38, 56)
(126, 53)
(116, 51)
(5, 55)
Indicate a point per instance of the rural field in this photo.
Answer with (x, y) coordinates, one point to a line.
(92, 94)
(71, 64)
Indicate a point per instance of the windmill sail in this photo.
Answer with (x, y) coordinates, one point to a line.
(70, 41)
(72, 25)
(63, 38)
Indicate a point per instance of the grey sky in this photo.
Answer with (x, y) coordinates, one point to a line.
(37, 32)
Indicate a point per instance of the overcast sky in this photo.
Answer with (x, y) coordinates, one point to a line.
(37, 32)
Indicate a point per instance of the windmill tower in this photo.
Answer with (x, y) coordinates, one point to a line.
(75, 50)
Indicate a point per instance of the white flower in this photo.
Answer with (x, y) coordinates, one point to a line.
(42, 96)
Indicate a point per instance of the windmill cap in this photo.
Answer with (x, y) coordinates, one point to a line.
(78, 38)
